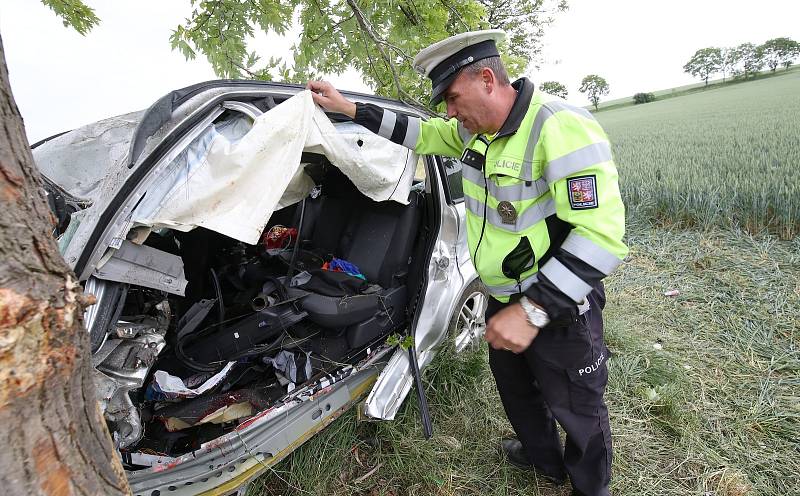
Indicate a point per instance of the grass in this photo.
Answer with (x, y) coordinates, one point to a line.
(723, 157)
(720, 396)
(715, 410)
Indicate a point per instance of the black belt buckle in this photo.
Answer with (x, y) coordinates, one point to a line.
(473, 159)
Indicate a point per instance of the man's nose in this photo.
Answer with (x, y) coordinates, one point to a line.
(451, 111)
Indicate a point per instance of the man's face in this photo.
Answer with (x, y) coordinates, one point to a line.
(467, 100)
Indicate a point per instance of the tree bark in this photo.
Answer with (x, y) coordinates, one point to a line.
(54, 439)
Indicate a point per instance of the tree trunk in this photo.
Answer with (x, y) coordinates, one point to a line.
(54, 440)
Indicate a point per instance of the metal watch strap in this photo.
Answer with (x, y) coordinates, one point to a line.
(535, 316)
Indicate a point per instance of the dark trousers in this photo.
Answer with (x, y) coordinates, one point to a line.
(561, 377)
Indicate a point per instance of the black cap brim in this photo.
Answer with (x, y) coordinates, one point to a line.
(437, 94)
(442, 75)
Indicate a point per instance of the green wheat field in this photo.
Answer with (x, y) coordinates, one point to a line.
(730, 155)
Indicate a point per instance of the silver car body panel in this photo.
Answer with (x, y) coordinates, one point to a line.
(144, 266)
(121, 366)
(245, 108)
(79, 160)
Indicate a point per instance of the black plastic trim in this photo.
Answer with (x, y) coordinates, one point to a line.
(431, 163)
(43, 141)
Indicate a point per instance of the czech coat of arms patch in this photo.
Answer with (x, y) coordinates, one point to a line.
(582, 192)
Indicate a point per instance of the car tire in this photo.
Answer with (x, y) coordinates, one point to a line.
(108, 309)
(468, 322)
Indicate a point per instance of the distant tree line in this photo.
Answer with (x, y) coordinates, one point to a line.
(744, 60)
(593, 85)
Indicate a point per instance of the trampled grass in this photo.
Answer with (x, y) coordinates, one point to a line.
(715, 410)
(721, 157)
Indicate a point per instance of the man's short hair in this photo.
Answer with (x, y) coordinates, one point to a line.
(493, 63)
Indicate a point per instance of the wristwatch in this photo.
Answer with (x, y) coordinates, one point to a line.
(536, 316)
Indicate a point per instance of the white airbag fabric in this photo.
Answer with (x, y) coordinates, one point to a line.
(233, 187)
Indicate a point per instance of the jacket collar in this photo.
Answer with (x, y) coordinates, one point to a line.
(525, 89)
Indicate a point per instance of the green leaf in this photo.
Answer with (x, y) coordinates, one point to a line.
(379, 39)
(74, 13)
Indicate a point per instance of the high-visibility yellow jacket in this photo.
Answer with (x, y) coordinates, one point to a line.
(544, 212)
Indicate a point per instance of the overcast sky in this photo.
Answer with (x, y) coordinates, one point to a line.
(62, 80)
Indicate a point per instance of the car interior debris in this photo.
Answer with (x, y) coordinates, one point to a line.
(207, 331)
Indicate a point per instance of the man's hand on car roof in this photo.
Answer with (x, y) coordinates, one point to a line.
(327, 97)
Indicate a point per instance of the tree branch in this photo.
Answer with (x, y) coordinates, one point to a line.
(372, 62)
(240, 66)
(456, 13)
(367, 28)
(331, 28)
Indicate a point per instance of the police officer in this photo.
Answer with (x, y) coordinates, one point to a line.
(545, 223)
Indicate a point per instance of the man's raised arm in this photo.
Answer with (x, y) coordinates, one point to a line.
(433, 136)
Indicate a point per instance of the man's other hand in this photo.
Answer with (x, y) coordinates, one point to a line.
(327, 97)
(510, 330)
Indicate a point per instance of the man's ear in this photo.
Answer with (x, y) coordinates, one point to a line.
(487, 75)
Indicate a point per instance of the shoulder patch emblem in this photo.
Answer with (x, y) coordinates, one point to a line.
(582, 192)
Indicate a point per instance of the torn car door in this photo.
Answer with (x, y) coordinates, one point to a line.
(444, 284)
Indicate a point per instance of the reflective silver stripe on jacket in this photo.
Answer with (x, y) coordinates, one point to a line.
(512, 289)
(387, 124)
(546, 111)
(576, 161)
(412, 133)
(567, 282)
(525, 220)
(406, 126)
(473, 175)
(599, 258)
(513, 192)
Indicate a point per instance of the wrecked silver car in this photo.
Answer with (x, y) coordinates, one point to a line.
(251, 256)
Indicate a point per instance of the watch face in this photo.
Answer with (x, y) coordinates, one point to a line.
(536, 317)
(539, 320)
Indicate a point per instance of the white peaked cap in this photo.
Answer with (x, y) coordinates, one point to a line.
(442, 61)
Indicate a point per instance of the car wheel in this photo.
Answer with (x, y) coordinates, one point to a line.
(101, 316)
(469, 320)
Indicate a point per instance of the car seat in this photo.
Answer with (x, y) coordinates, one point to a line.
(378, 237)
